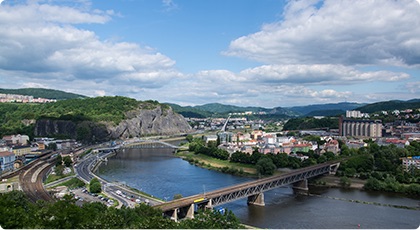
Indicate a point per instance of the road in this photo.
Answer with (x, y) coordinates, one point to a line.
(84, 169)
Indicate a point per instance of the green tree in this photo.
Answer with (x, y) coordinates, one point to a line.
(52, 146)
(67, 161)
(177, 196)
(212, 219)
(189, 138)
(265, 166)
(345, 181)
(95, 185)
(59, 160)
(59, 170)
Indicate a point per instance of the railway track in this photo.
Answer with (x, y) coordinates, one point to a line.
(31, 181)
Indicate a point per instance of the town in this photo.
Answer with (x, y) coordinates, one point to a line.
(242, 135)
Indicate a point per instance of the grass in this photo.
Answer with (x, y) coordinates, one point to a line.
(52, 178)
(217, 164)
(73, 183)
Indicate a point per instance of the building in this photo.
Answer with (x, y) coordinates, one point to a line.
(7, 159)
(270, 148)
(360, 128)
(21, 150)
(411, 161)
(16, 139)
(332, 146)
(301, 147)
(208, 138)
(225, 137)
(355, 114)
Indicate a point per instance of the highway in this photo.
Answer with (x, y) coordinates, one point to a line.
(127, 198)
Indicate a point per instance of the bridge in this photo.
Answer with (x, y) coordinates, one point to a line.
(141, 144)
(149, 144)
(254, 191)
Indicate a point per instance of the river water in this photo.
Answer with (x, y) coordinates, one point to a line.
(157, 172)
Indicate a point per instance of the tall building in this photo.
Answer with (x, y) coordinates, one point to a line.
(360, 128)
(353, 113)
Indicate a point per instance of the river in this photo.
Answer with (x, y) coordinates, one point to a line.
(157, 172)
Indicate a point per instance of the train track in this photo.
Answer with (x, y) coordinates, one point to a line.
(31, 181)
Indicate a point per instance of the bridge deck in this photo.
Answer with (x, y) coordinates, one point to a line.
(240, 191)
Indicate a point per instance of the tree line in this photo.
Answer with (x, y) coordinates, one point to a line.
(16, 211)
(18, 118)
(382, 167)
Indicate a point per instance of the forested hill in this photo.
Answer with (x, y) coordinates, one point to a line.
(390, 105)
(98, 118)
(217, 109)
(42, 93)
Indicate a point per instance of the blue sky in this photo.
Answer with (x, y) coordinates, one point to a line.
(265, 53)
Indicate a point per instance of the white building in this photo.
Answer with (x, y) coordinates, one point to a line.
(7, 159)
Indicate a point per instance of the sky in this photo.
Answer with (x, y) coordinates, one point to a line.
(267, 53)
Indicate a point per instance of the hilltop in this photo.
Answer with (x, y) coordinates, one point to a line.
(91, 119)
(42, 93)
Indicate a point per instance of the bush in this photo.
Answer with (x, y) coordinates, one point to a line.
(345, 181)
(95, 186)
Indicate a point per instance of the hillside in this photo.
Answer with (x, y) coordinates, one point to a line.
(217, 109)
(42, 93)
(390, 105)
(91, 119)
(334, 107)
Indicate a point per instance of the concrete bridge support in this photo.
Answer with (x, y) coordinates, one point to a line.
(301, 187)
(173, 214)
(256, 199)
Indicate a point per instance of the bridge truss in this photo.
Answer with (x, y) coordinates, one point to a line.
(220, 197)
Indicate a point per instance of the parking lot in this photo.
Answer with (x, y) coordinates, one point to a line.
(83, 196)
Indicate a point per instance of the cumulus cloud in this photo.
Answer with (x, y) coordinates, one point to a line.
(344, 32)
(318, 74)
(40, 38)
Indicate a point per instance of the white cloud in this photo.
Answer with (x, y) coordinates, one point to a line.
(318, 74)
(40, 38)
(344, 32)
(309, 55)
(169, 5)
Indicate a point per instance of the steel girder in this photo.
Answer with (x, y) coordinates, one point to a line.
(266, 185)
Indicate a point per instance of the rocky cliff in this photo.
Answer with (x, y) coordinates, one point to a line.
(143, 122)
(139, 122)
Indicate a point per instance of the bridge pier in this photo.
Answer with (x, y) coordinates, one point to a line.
(190, 212)
(173, 214)
(257, 199)
(301, 187)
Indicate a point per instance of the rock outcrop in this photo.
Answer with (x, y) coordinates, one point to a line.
(142, 122)
(138, 123)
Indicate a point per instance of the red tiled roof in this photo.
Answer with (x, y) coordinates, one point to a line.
(5, 154)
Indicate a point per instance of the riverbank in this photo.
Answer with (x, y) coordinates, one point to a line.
(332, 181)
(211, 163)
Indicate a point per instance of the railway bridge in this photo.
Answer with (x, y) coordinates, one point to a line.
(253, 191)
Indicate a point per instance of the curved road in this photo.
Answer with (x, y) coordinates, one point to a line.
(84, 171)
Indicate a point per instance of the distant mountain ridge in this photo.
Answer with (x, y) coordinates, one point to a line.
(390, 105)
(43, 93)
(326, 109)
(216, 109)
(330, 109)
